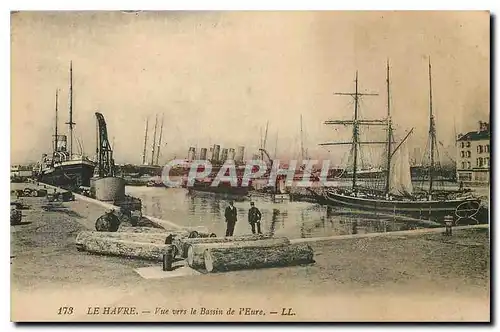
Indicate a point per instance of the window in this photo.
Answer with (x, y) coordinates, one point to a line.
(481, 176)
(463, 164)
(462, 154)
(479, 162)
(468, 154)
(464, 176)
(487, 148)
(486, 162)
(468, 144)
(462, 145)
(479, 149)
(468, 165)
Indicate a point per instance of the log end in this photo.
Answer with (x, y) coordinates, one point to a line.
(209, 263)
(193, 234)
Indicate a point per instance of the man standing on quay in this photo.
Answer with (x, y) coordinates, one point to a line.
(230, 215)
(254, 217)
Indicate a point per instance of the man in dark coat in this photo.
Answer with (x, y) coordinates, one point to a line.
(230, 215)
(254, 217)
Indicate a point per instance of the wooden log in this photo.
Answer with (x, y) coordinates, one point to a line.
(158, 238)
(147, 230)
(197, 234)
(229, 259)
(182, 244)
(116, 247)
(195, 252)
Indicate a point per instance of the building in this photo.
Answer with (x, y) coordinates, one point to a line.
(473, 156)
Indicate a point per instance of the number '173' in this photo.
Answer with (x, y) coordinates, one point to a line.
(65, 311)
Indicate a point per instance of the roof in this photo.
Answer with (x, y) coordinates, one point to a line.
(475, 136)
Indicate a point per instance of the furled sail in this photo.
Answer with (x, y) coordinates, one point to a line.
(400, 176)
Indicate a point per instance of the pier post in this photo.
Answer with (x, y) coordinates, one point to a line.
(168, 258)
(355, 227)
(448, 222)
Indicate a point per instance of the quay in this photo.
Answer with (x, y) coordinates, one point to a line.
(408, 275)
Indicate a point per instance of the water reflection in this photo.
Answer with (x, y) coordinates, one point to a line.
(291, 219)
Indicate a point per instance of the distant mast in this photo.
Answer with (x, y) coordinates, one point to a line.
(276, 146)
(145, 142)
(432, 133)
(159, 141)
(154, 141)
(70, 122)
(301, 141)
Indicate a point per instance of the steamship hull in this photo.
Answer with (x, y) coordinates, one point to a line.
(222, 188)
(69, 174)
(462, 208)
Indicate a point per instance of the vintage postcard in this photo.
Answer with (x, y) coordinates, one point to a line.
(260, 166)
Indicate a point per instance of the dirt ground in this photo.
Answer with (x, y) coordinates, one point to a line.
(398, 278)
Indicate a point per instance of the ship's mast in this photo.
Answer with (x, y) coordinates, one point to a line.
(276, 146)
(355, 135)
(389, 132)
(154, 141)
(145, 142)
(263, 141)
(159, 141)
(265, 135)
(432, 132)
(355, 123)
(55, 131)
(70, 122)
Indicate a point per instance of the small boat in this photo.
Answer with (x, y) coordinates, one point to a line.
(155, 182)
(221, 188)
(399, 196)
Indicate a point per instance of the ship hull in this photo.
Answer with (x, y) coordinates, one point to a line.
(461, 208)
(69, 175)
(220, 189)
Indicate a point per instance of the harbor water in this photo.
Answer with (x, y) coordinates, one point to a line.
(291, 219)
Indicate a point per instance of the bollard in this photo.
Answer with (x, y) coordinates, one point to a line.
(169, 239)
(448, 222)
(168, 259)
(355, 227)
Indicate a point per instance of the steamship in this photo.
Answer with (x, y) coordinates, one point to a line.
(64, 168)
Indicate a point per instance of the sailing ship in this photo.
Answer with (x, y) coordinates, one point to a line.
(65, 168)
(398, 196)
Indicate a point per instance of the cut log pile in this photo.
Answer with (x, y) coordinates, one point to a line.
(203, 252)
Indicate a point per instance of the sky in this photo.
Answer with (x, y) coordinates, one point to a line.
(219, 77)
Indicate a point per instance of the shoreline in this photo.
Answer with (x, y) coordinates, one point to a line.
(409, 275)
